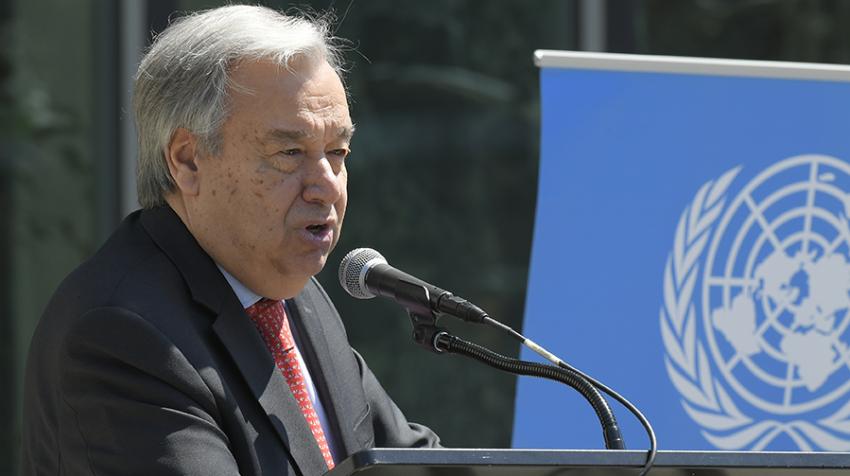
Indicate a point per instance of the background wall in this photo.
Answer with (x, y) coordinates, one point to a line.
(443, 174)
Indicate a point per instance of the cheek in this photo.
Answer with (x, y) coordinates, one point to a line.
(263, 187)
(225, 184)
(343, 187)
(277, 200)
(239, 195)
(218, 196)
(341, 205)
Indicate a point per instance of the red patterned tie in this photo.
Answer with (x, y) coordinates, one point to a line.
(270, 318)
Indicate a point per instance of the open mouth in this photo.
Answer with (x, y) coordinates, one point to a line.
(317, 229)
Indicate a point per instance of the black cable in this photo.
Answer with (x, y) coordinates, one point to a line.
(611, 431)
(653, 444)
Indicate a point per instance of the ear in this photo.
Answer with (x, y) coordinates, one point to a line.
(181, 157)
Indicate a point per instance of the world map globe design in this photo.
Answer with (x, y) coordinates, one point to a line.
(776, 287)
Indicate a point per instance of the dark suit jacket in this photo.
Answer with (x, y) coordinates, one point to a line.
(145, 362)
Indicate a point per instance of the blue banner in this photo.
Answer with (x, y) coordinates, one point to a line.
(692, 250)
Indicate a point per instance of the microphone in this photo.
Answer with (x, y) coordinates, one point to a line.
(364, 274)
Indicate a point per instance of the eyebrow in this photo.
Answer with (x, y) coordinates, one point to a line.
(283, 135)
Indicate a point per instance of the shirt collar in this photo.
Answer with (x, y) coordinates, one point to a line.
(245, 295)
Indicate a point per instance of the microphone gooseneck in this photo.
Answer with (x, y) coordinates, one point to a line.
(610, 430)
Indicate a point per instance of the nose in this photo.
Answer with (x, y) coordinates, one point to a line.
(323, 184)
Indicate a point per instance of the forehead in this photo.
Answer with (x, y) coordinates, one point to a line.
(273, 97)
(283, 135)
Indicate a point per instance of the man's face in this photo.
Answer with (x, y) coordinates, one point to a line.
(270, 204)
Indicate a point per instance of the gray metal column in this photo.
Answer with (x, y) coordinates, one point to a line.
(133, 30)
(592, 26)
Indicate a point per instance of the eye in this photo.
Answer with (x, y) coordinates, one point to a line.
(339, 153)
(291, 152)
(286, 160)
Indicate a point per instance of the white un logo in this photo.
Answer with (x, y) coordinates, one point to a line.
(756, 314)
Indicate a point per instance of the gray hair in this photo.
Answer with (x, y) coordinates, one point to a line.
(183, 80)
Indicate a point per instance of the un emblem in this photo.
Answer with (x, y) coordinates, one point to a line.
(756, 314)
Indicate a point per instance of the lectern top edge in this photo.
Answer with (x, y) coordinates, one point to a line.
(618, 458)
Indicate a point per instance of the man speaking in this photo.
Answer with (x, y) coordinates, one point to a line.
(196, 341)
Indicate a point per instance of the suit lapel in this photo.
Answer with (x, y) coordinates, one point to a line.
(329, 356)
(239, 336)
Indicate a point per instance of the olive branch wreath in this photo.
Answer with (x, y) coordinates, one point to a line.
(705, 400)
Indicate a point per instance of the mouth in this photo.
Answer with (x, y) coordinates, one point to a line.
(320, 233)
(318, 229)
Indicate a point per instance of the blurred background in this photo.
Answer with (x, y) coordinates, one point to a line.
(443, 174)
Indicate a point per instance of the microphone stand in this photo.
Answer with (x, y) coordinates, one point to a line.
(439, 340)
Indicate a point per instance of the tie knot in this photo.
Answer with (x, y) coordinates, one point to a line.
(269, 317)
(263, 303)
(265, 307)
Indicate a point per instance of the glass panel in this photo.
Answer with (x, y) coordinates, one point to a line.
(808, 31)
(56, 194)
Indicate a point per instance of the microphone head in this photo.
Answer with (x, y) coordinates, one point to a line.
(353, 269)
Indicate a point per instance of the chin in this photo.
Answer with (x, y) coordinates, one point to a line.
(319, 266)
(302, 268)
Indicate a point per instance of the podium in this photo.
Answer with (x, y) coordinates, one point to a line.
(490, 462)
